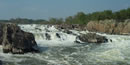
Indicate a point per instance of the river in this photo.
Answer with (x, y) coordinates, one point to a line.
(62, 50)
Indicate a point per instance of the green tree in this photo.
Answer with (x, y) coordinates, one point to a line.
(80, 18)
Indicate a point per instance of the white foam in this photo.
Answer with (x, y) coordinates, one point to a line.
(39, 32)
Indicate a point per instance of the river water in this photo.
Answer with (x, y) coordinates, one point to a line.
(62, 50)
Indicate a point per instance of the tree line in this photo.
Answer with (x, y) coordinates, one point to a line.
(82, 18)
(79, 18)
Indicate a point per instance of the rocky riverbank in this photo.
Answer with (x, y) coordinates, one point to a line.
(71, 27)
(16, 41)
(58, 47)
(102, 26)
(110, 27)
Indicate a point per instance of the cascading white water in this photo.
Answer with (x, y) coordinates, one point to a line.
(48, 35)
(59, 48)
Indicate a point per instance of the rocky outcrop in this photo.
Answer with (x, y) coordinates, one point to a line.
(71, 27)
(16, 41)
(109, 26)
(92, 38)
(0, 62)
(1, 34)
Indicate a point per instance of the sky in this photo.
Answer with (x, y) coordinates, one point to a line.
(45, 9)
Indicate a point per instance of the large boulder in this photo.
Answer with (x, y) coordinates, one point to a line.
(92, 38)
(0, 62)
(17, 41)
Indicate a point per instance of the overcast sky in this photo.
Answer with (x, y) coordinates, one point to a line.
(44, 9)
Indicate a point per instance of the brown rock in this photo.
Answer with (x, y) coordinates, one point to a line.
(109, 26)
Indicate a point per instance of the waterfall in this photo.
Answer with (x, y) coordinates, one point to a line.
(59, 48)
(49, 35)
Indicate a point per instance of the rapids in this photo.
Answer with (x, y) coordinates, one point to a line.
(59, 48)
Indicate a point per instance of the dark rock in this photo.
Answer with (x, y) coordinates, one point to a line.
(0, 62)
(68, 32)
(1, 34)
(17, 41)
(47, 30)
(76, 41)
(48, 37)
(38, 29)
(92, 38)
(110, 40)
(71, 27)
(58, 35)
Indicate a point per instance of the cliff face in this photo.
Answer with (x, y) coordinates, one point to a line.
(109, 26)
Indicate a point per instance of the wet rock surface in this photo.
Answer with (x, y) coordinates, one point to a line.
(68, 31)
(58, 35)
(16, 41)
(91, 38)
(0, 62)
(48, 37)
